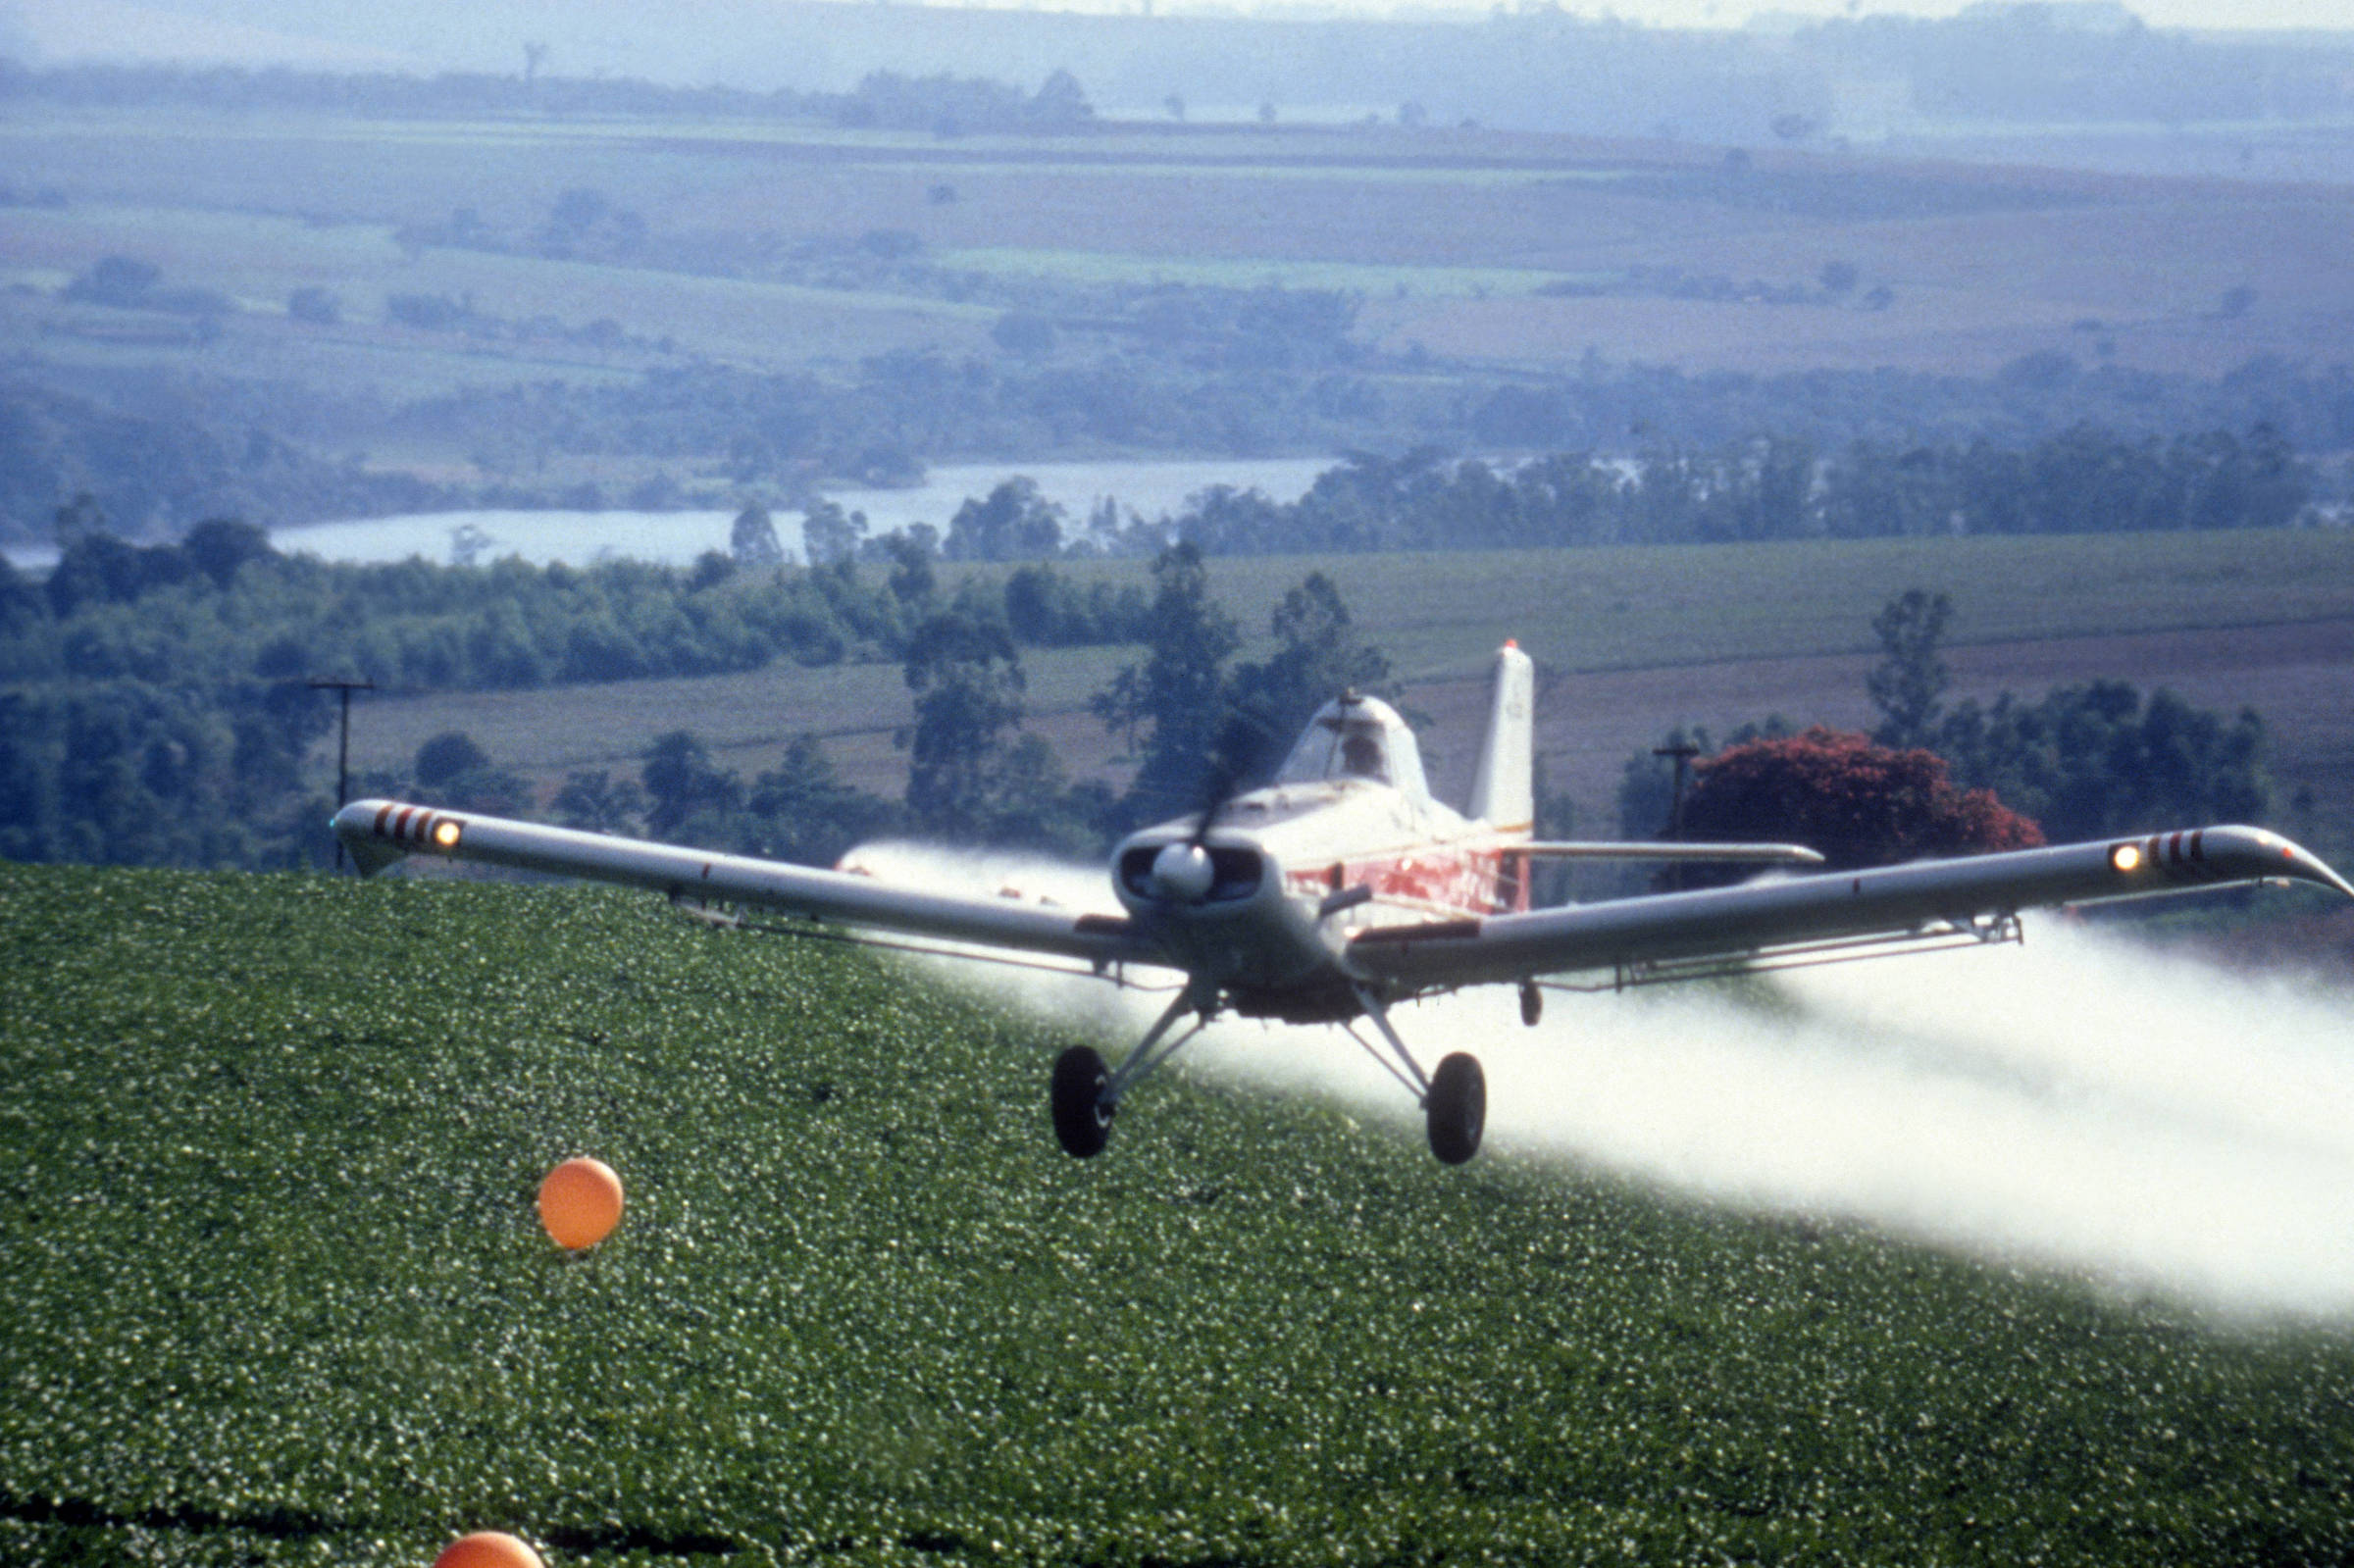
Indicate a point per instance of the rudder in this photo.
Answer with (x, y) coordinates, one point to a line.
(1501, 792)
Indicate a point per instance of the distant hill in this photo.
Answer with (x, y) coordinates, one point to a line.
(1531, 68)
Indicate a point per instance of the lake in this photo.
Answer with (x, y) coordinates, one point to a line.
(1151, 488)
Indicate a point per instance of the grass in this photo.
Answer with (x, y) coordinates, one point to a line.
(277, 1293)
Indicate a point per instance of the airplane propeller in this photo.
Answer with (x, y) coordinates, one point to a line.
(1184, 872)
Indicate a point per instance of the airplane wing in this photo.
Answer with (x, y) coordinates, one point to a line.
(1819, 913)
(381, 832)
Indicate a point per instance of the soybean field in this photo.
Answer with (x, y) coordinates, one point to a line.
(277, 1293)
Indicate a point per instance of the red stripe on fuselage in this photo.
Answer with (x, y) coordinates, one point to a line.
(1438, 878)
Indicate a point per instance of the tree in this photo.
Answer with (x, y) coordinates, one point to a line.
(829, 536)
(447, 755)
(1317, 657)
(1121, 705)
(20, 601)
(453, 771)
(968, 685)
(1911, 676)
(594, 801)
(910, 554)
(121, 282)
(753, 541)
(219, 548)
(1857, 803)
(682, 781)
(1188, 637)
(1015, 522)
(804, 812)
(2092, 760)
(77, 520)
(1061, 101)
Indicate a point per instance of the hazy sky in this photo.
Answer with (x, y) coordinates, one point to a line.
(2157, 12)
(2207, 13)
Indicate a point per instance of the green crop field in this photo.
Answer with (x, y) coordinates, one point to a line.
(276, 1292)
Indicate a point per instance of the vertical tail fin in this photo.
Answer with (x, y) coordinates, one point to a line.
(1501, 791)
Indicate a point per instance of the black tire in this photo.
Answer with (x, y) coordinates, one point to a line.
(1458, 1108)
(1082, 1116)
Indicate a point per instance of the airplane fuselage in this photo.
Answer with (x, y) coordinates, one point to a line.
(1297, 871)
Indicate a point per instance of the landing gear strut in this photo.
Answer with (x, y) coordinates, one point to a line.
(1086, 1094)
(1454, 1099)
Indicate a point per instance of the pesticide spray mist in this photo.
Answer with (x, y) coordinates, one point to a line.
(2077, 1103)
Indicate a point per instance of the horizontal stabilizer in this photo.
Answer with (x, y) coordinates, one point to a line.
(1617, 850)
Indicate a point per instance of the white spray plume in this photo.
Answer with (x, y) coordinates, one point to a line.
(2081, 1103)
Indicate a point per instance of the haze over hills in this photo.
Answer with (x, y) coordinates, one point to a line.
(1999, 69)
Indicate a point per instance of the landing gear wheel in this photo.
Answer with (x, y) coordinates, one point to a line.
(1456, 1109)
(1532, 1003)
(1082, 1115)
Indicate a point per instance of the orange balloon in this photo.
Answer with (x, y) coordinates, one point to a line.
(487, 1549)
(580, 1203)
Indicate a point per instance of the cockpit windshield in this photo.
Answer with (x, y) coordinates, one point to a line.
(1356, 738)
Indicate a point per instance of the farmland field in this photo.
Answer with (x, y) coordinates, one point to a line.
(2145, 260)
(277, 1293)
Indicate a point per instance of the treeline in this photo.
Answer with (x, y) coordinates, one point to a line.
(1237, 372)
(2084, 480)
(883, 100)
(157, 707)
(1262, 371)
(223, 605)
(165, 464)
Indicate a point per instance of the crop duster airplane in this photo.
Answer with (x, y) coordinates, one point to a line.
(1343, 888)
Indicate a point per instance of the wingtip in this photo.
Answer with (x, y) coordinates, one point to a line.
(2306, 866)
(355, 825)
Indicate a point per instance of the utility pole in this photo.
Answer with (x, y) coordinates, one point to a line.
(1683, 751)
(345, 690)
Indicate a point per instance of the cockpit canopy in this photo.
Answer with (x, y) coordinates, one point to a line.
(1356, 738)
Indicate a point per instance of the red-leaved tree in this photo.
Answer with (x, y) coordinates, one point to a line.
(1857, 803)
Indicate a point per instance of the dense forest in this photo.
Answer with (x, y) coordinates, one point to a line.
(2083, 480)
